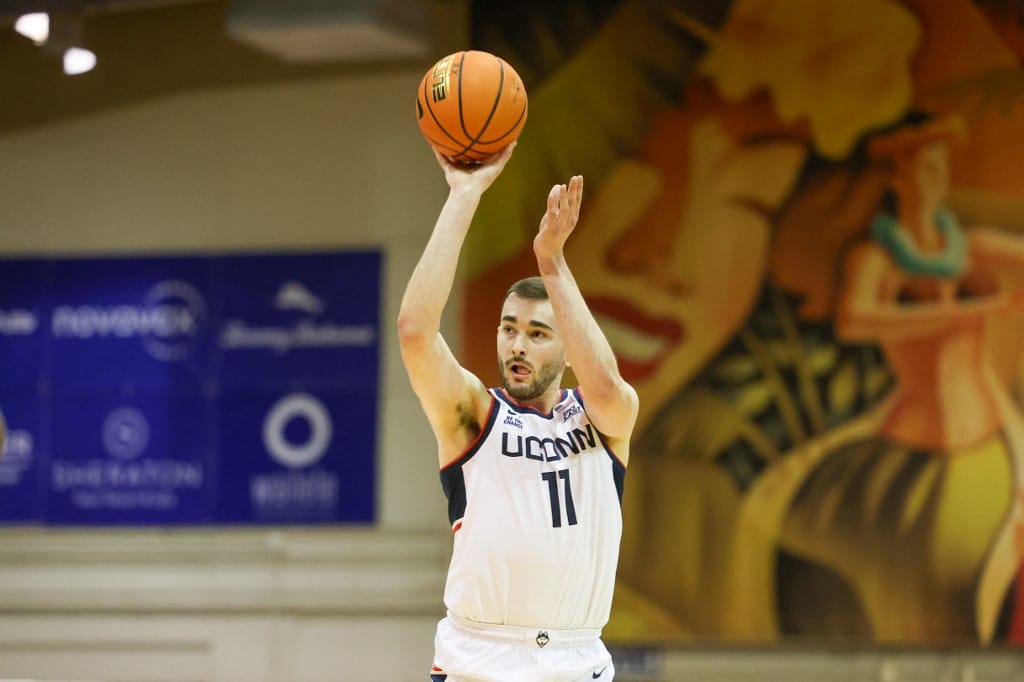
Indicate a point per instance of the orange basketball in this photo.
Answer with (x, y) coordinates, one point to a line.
(470, 105)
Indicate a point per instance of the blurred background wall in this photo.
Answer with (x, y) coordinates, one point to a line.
(311, 158)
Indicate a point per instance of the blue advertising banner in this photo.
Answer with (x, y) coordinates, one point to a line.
(310, 319)
(20, 459)
(230, 389)
(23, 302)
(301, 456)
(143, 460)
(131, 323)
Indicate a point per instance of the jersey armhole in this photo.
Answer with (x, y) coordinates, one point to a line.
(492, 413)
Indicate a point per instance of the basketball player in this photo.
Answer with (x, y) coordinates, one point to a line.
(533, 472)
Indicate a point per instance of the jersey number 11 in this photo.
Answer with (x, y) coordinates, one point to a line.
(556, 504)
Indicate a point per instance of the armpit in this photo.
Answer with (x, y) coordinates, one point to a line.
(467, 419)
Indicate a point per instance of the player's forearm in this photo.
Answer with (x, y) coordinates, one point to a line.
(430, 285)
(586, 347)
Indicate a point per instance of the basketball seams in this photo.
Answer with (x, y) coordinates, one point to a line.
(430, 109)
(458, 147)
(514, 128)
(465, 146)
(462, 110)
(474, 140)
(494, 105)
(469, 96)
(450, 150)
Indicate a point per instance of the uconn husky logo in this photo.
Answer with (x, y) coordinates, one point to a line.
(549, 449)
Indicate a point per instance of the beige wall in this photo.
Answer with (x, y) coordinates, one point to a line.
(330, 164)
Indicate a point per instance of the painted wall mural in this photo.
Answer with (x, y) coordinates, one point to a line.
(803, 231)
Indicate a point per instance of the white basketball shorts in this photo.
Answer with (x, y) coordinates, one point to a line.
(466, 651)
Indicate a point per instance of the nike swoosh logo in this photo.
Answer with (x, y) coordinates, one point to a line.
(598, 673)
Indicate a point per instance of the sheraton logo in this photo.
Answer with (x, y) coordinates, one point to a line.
(125, 433)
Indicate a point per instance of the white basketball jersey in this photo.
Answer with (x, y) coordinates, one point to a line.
(535, 506)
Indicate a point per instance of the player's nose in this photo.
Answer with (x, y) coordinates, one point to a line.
(518, 348)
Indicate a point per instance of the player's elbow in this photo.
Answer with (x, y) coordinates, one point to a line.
(614, 412)
(613, 391)
(409, 328)
(413, 329)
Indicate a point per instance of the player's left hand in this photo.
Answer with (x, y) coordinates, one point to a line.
(560, 218)
(476, 176)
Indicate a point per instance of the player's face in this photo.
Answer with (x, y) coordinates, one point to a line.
(531, 355)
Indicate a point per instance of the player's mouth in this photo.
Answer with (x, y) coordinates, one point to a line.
(519, 369)
(641, 342)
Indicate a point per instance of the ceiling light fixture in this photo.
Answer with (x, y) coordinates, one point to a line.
(34, 26)
(78, 60)
(60, 35)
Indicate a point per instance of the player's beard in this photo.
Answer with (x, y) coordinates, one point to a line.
(542, 379)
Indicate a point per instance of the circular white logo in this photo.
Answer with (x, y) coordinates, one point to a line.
(297, 406)
(125, 433)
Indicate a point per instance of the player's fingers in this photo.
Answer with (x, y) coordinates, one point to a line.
(567, 205)
(442, 159)
(554, 197)
(502, 157)
(575, 196)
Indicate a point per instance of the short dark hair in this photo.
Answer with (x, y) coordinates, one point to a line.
(529, 288)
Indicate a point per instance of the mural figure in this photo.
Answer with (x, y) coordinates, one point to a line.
(827, 445)
(913, 526)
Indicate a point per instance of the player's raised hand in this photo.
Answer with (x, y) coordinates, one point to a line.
(478, 176)
(560, 218)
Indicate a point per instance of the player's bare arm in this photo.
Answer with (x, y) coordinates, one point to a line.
(612, 403)
(454, 400)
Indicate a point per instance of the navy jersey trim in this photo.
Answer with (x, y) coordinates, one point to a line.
(619, 476)
(453, 482)
(517, 406)
(616, 460)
